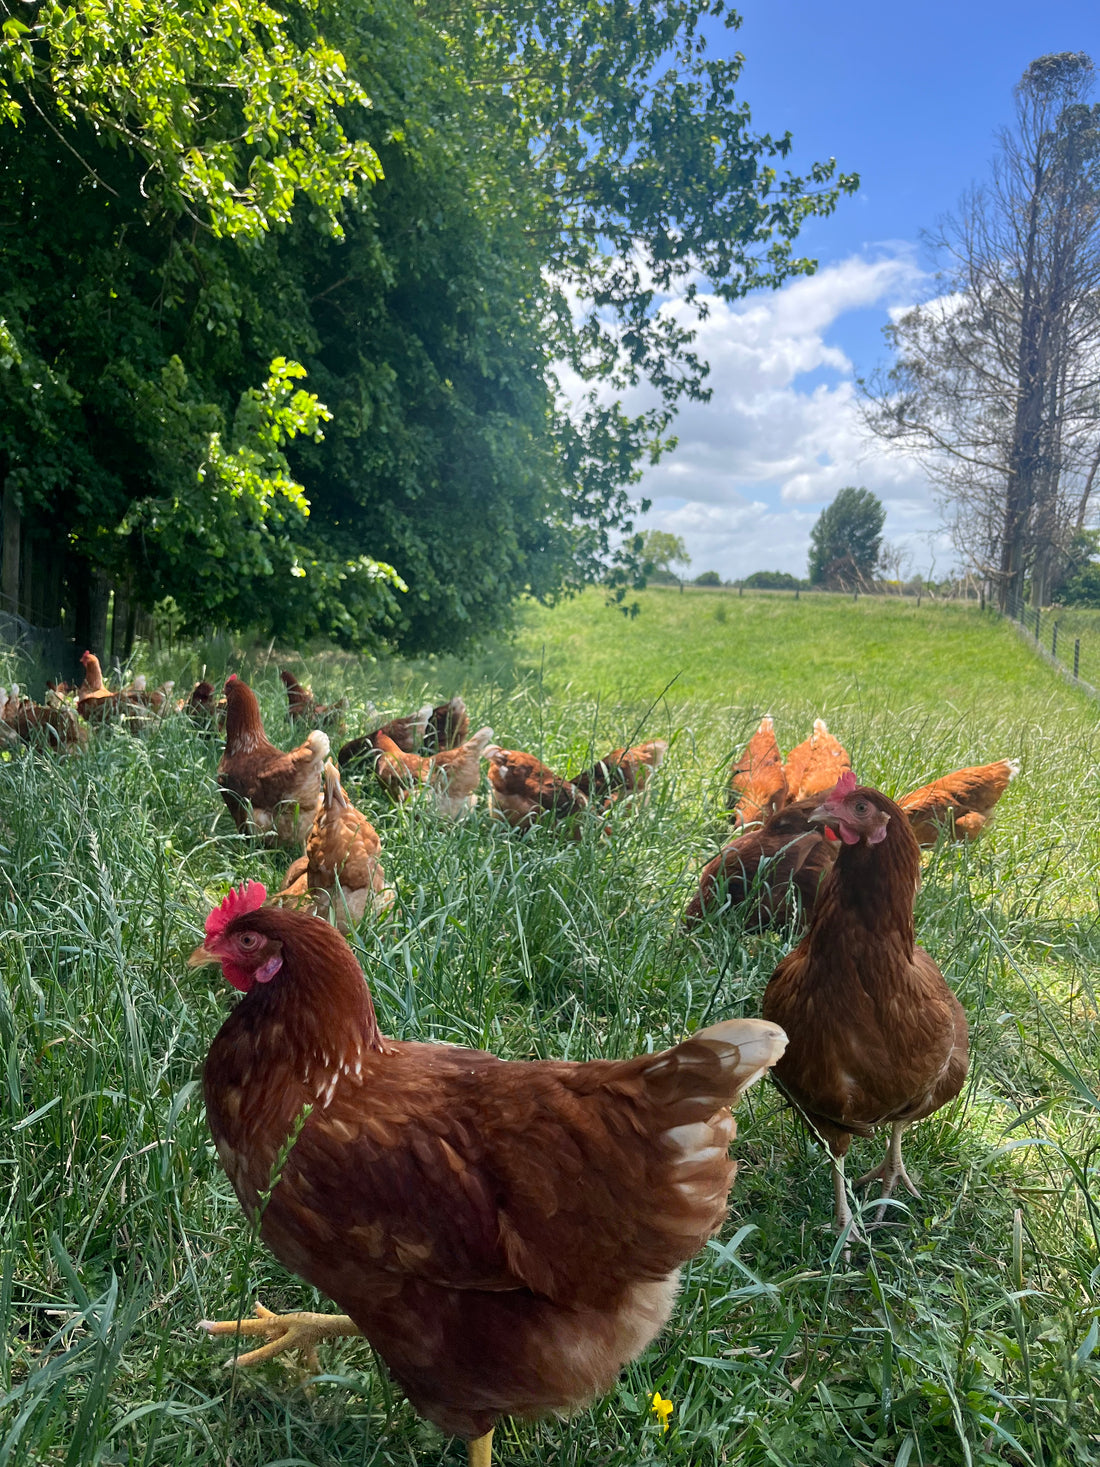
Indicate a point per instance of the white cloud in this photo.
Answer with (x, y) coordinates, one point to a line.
(756, 464)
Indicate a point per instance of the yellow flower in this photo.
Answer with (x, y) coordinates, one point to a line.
(661, 1408)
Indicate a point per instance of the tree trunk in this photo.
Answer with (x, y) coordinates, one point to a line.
(13, 526)
(89, 591)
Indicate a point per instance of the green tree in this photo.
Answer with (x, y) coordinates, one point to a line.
(661, 550)
(143, 171)
(518, 193)
(846, 540)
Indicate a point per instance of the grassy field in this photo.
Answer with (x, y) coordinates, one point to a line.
(968, 1334)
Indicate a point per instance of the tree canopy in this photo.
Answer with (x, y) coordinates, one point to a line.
(436, 214)
(846, 540)
(995, 381)
(661, 550)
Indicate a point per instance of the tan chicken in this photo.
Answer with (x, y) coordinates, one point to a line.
(816, 765)
(524, 790)
(270, 792)
(623, 772)
(450, 778)
(758, 782)
(506, 1234)
(959, 804)
(340, 876)
(94, 700)
(777, 866)
(876, 1036)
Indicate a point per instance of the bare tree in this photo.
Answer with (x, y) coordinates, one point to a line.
(996, 381)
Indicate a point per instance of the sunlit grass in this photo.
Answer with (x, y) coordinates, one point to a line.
(966, 1334)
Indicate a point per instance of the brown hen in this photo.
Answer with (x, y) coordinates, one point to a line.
(268, 791)
(623, 772)
(448, 726)
(779, 866)
(960, 803)
(758, 782)
(360, 755)
(876, 1036)
(816, 765)
(53, 726)
(524, 790)
(303, 707)
(505, 1234)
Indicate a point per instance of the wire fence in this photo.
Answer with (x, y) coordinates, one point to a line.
(1067, 637)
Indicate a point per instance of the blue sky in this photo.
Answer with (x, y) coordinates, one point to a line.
(911, 99)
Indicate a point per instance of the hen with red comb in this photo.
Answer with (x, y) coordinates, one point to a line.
(506, 1234)
(268, 792)
(876, 1036)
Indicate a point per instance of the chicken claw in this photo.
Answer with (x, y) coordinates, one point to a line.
(891, 1172)
(300, 1331)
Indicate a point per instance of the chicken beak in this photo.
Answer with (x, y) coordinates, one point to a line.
(202, 956)
(822, 815)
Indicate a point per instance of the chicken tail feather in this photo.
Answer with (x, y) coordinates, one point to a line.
(716, 1065)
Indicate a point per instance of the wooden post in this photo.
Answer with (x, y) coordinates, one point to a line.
(1054, 641)
(1076, 656)
(13, 526)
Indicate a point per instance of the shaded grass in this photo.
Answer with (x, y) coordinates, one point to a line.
(967, 1334)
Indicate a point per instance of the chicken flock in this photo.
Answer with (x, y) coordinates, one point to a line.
(566, 1196)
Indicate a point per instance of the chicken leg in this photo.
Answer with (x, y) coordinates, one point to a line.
(892, 1171)
(284, 1332)
(480, 1450)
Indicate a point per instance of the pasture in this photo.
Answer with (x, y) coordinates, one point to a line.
(965, 1334)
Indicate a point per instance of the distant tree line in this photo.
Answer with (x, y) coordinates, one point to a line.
(282, 291)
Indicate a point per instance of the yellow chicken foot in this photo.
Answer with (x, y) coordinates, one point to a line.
(284, 1332)
(480, 1450)
(891, 1172)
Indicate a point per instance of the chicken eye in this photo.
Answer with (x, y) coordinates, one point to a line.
(247, 940)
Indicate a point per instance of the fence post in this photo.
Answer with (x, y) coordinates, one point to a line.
(1054, 641)
(1076, 655)
(1038, 614)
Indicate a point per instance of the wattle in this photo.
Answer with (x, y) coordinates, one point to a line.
(241, 978)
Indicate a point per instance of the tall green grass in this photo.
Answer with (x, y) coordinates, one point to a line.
(967, 1333)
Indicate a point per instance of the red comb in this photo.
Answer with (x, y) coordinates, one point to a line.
(232, 678)
(844, 785)
(247, 898)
